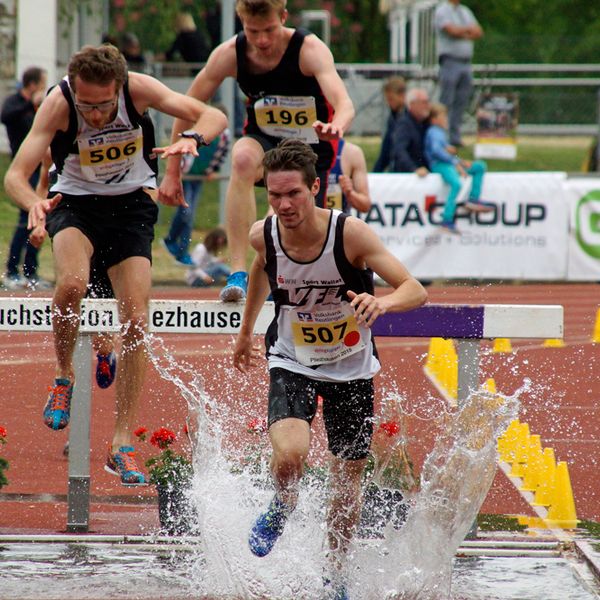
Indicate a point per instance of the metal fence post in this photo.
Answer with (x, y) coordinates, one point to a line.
(468, 382)
(78, 510)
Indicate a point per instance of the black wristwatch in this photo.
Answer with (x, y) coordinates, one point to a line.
(190, 133)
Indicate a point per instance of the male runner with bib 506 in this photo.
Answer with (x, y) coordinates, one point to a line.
(318, 264)
(293, 90)
(96, 124)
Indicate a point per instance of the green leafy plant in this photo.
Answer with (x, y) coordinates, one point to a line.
(168, 468)
(3, 461)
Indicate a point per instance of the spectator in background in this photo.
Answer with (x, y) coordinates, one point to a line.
(348, 184)
(206, 165)
(109, 38)
(17, 115)
(132, 51)
(456, 29)
(442, 159)
(208, 268)
(408, 147)
(394, 91)
(189, 44)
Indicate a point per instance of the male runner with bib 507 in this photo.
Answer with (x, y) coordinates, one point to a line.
(96, 124)
(318, 264)
(293, 90)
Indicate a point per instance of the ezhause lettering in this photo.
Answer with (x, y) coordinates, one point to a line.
(178, 318)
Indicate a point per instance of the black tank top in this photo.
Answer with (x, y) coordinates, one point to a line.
(286, 79)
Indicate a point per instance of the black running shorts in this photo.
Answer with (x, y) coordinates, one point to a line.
(347, 409)
(118, 227)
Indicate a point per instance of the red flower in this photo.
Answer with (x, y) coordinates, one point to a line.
(3, 432)
(140, 433)
(162, 438)
(257, 425)
(391, 428)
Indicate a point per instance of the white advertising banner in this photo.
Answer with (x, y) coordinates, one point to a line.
(583, 197)
(524, 237)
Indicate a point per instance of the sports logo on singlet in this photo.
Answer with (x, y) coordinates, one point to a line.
(287, 117)
(108, 157)
(324, 336)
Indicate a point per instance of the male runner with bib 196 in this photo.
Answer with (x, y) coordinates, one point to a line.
(318, 264)
(293, 91)
(101, 138)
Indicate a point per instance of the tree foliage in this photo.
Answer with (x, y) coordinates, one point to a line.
(516, 31)
(358, 30)
(538, 31)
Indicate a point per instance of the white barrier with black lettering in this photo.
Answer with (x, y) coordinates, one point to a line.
(465, 323)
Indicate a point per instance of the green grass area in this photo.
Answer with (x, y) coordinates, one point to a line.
(489, 522)
(534, 154)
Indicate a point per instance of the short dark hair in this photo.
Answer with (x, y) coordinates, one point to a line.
(32, 75)
(291, 155)
(259, 8)
(99, 65)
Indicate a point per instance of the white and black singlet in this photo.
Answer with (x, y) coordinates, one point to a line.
(111, 161)
(314, 331)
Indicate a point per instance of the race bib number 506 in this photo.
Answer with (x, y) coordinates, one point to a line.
(105, 158)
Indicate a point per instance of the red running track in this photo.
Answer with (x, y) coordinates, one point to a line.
(561, 406)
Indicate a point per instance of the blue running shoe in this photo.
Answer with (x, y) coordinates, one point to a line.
(185, 260)
(267, 528)
(172, 248)
(58, 408)
(235, 290)
(123, 465)
(105, 369)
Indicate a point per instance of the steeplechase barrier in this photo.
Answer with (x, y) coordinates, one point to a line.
(467, 324)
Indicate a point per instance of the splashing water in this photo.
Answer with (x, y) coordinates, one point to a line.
(413, 563)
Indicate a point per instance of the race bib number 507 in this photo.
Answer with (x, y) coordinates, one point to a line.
(323, 337)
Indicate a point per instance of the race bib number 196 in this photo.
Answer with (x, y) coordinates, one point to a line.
(287, 117)
(322, 337)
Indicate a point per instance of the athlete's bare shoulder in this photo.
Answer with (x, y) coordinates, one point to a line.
(256, 236)
(223, 59)
(53, 113)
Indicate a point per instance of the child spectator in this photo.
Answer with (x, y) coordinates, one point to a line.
(207, 267)
(202, 167)
(443, 160)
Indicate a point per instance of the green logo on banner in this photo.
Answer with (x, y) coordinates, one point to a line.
(587, 223)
